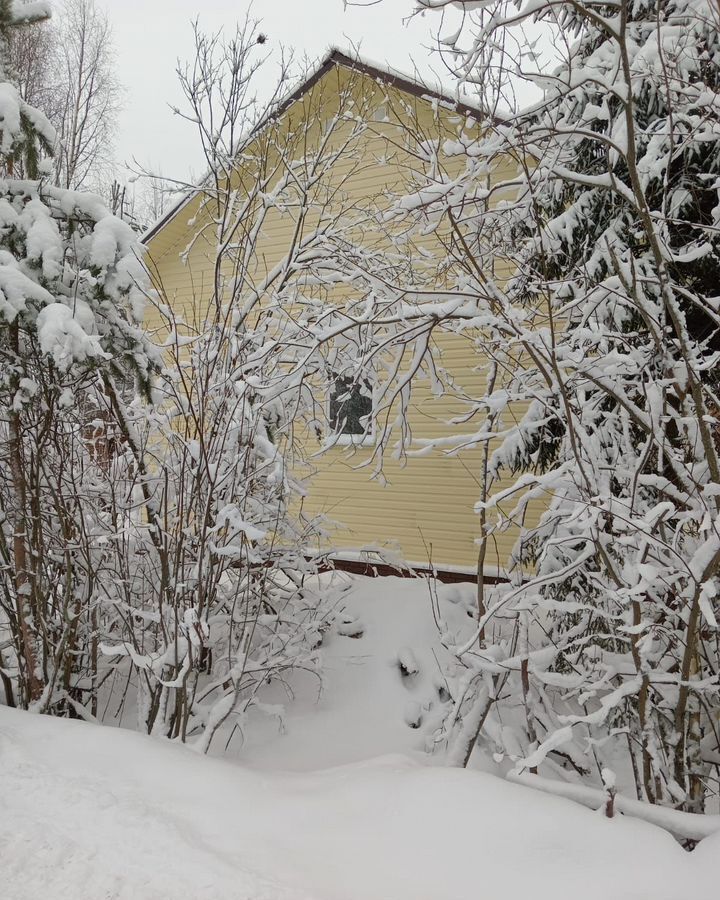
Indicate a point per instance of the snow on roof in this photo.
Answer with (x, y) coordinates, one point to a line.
(413, 84)
(335, 57)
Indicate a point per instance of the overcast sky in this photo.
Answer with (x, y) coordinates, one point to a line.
(150, 35)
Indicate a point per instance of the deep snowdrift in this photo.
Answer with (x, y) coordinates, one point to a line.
(93, 813)
(90, 813)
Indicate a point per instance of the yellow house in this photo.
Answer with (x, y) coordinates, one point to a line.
(421, 510)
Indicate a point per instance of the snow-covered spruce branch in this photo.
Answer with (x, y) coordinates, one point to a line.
(594, 309)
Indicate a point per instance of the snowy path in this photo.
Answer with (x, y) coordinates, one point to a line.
(364, 707)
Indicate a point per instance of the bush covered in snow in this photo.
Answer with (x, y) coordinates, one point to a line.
(152, 536)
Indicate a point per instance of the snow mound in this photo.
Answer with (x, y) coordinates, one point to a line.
(92, 812)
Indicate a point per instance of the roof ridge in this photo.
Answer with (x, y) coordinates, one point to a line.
(414, 84)
(336, 56)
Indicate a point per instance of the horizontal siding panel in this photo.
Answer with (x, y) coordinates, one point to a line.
(429, 501)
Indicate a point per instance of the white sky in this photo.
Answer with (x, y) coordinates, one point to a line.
(150, 35)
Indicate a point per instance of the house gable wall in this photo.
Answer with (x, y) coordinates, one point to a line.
(423, 507)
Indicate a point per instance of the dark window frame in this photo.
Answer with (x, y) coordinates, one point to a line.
(361, 403)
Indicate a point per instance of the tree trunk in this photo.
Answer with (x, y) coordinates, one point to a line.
(32, 687)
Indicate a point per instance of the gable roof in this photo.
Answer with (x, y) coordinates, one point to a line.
(387, 76)
(333, 58)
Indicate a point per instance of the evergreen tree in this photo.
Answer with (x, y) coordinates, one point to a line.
(71, 303)
(625, 252)
(25, 132)
(608, 332)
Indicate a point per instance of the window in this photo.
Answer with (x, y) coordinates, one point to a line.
(351, 403)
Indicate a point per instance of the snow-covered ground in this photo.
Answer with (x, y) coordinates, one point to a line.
(94, 813)
(366, 707)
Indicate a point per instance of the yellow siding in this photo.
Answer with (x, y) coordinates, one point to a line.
(423, 508)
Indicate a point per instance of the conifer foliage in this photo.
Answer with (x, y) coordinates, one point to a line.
(70, 307)
(24, 131)
(607, 333)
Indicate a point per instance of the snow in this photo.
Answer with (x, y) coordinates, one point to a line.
(63, 336)
(95, 812)
(12, 110)
(16, 288)
(92, 811)
(10, 106)
(31, 10)
(360, 711)
(43, 243)
(682, 824)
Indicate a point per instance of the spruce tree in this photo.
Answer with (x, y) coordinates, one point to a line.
(71, 304)
(607, 331)
(25, 132)
(624, 250)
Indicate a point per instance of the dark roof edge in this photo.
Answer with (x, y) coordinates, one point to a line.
(405, 83)
(337, 57)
